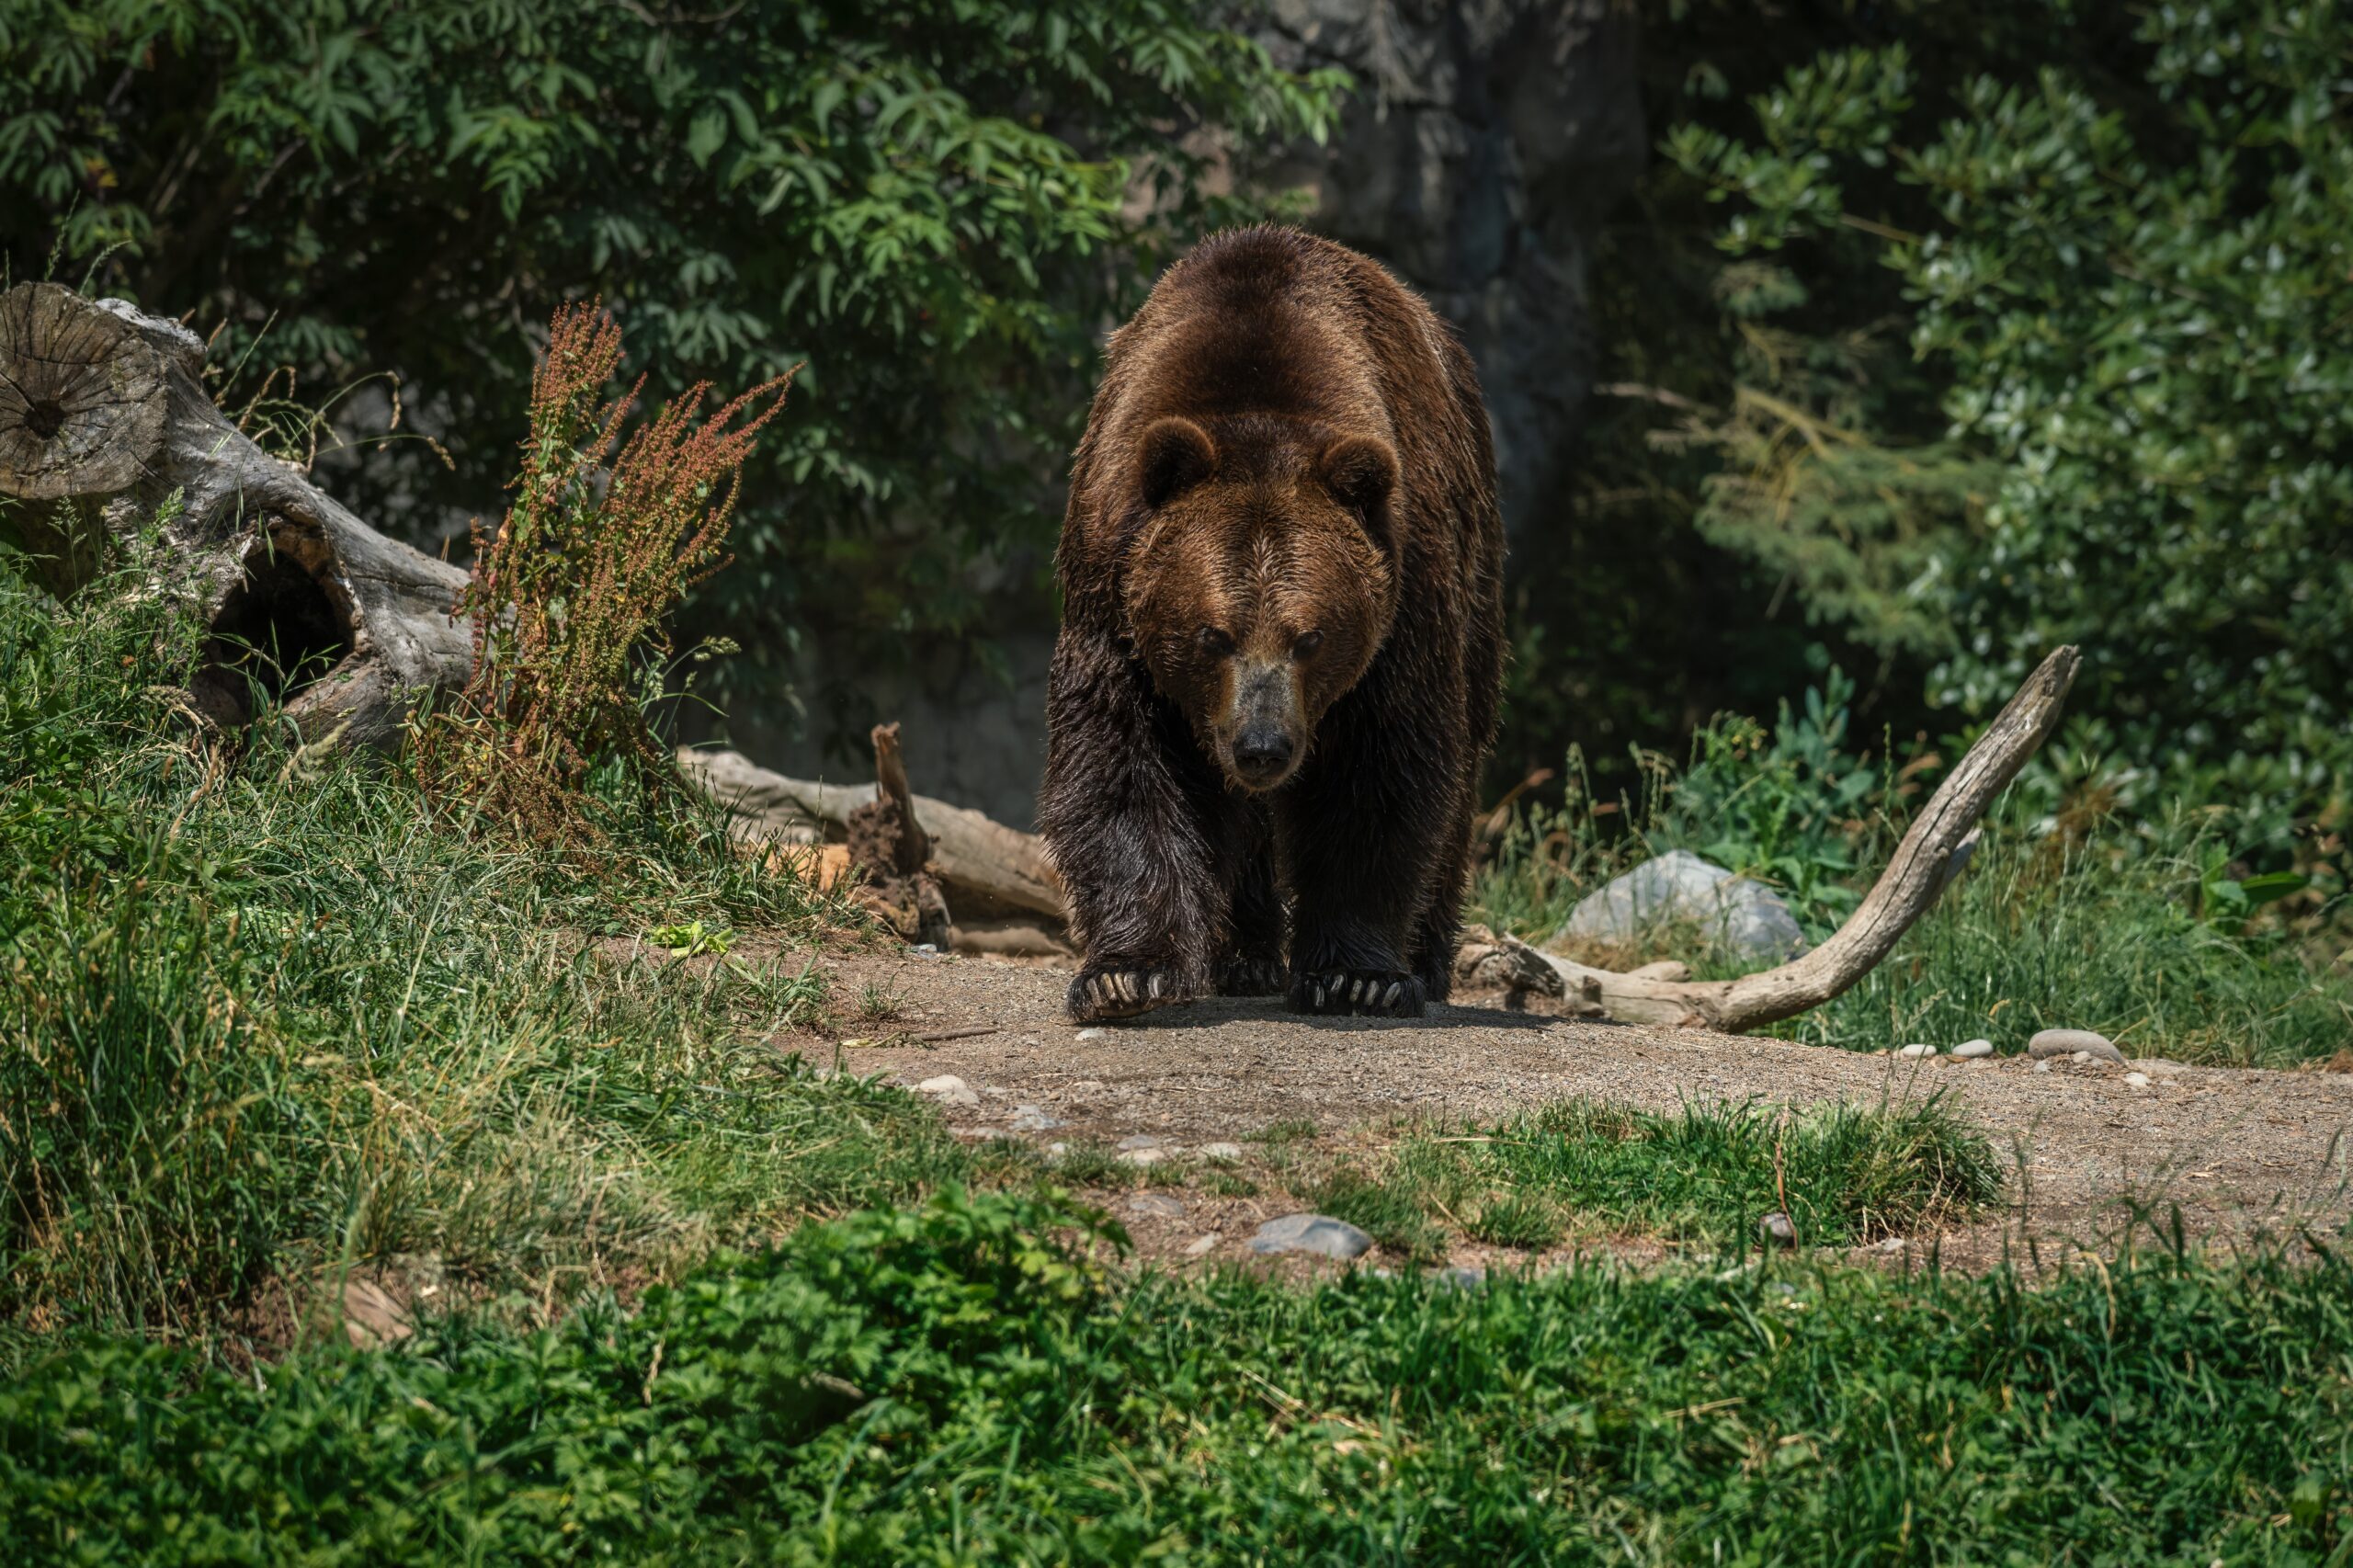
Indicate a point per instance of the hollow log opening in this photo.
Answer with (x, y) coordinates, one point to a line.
(45, 417)
(277, 632)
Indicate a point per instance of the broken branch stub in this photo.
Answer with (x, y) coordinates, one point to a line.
(103, 423)
(1923, 863)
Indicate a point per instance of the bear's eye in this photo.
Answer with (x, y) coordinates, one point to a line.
(1308, 642)
(1215, 641)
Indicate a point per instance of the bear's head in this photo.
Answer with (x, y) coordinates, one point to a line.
(1258, 581)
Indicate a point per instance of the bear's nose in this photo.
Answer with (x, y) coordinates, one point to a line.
(1262, 749)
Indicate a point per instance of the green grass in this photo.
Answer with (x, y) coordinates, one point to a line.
(2105, 937)
(261, 1017)
(950, 1385)
(1704, 1176)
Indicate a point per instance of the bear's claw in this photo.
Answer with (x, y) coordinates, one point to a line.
(1380, 993)
(1100, 994)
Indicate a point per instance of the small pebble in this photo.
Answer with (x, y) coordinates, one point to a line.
(1140, 1140)
(949, 1089)
(1200, 1245)
(1092, 1034)
(1033, 1118)
(1158, 1204)
(1219, 1151)
(2042, 1066)
(1776, 1228)
(1971, 1050)
(1918, 1050)
(1317, 1234)
(2067, 1042)
(2138, 1080)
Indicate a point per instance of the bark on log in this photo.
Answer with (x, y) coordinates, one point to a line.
(990, 871)
(103, 421)
(1939, 839)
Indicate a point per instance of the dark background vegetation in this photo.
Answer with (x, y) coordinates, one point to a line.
(1906, 339)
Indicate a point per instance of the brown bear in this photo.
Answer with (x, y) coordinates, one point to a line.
(1281, 643)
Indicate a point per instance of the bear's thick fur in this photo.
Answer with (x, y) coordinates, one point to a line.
(1281, 641)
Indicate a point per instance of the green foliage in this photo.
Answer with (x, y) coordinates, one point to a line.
(2107, 931)
(2148, 924)
(936, 203)
(956, 1384)
(259, 1018)
(1849, 1174)
(2128, 279)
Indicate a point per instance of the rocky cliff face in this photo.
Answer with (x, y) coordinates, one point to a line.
(1486, 141)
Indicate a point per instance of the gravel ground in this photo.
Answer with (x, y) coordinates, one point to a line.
(2242, 1153)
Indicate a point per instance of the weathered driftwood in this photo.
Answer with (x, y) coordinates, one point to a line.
(1939, 842)
(990, 871)
(103, 423)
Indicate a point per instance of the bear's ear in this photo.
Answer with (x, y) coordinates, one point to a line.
(1177, 455)
(1361, 473)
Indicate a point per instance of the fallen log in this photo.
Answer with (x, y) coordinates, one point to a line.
(989, 871)
(105, 428)
(1939, 842)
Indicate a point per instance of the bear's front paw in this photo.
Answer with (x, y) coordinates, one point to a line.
(1252, 977)
(1380, 993)
(1122, 992)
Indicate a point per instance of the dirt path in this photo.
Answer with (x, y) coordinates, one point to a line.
(2242, 1153)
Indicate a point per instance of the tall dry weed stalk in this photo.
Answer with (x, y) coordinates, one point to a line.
(578, 584)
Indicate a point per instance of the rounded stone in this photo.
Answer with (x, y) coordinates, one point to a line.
(1918, 1050)
(949, 1089)
(1219, 1151)
(2048, 1043)
(1776, 1228)
(1971, 1050)
(1159, 1205)
(1317, 1234)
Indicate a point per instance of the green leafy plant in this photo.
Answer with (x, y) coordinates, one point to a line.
(934, 203)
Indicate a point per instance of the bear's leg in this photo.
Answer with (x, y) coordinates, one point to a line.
(1253, 964)
(1361, 831)
(1440, 925)
(1141, 831)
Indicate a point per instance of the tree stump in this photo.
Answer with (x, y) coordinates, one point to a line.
(105, 429)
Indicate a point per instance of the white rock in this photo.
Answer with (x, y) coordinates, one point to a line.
(1140, 1140)
(1776, 1228)
(1741, 914)
(1092, 1034)
(1918, 1050)
(2042, 1066)
(2138, 1080)
(1160, 1205)
(1971, 1050)
(1219, 1151)
(1142, 1157)
(949, 1089)
(1200, 1246)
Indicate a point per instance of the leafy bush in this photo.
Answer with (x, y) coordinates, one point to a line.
(957, 1384)
(2126, 271)
(934, 203)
